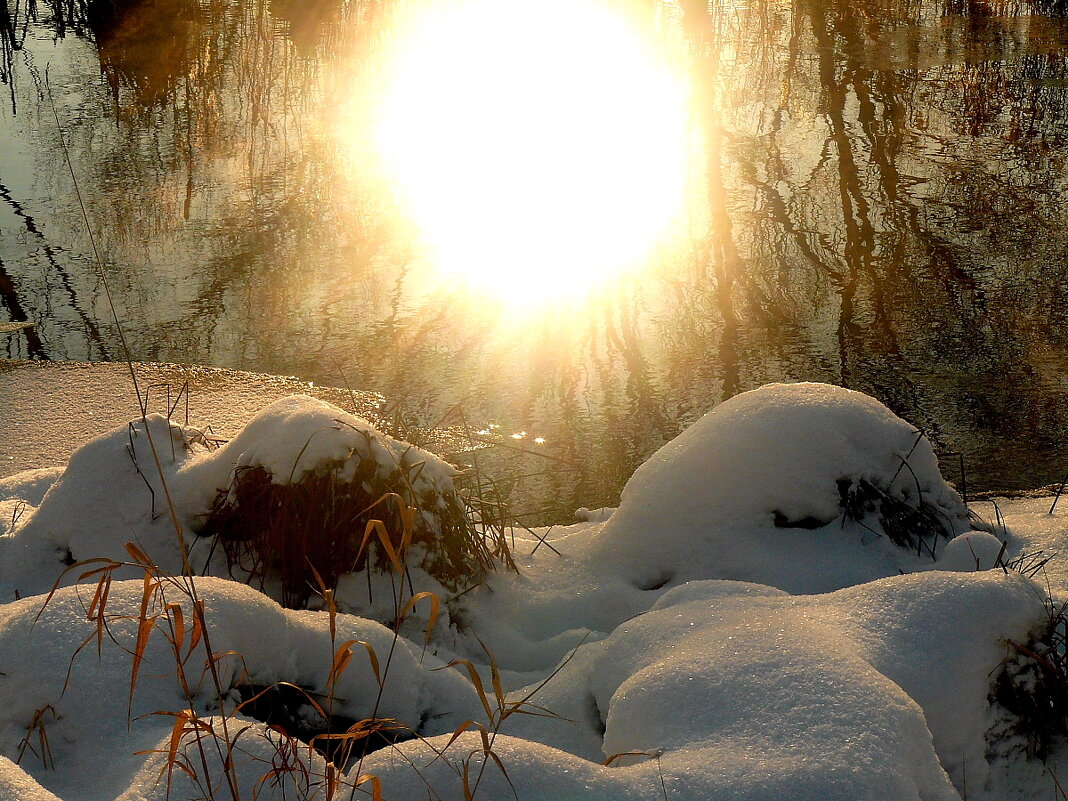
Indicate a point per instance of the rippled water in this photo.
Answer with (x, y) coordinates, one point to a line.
(879, 202)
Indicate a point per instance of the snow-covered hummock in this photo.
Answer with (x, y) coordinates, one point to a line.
(17, 785)
(706, 503)
(94, 731)
(296, 435)
(732, 690)
(736, 691)
(111, 493)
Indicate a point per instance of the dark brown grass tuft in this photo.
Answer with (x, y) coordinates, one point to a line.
(1032, 687)
(913, 524)
(320, 524)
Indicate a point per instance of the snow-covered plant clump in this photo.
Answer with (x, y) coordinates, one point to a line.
(793, 467)
(303, 483)
(292, 496)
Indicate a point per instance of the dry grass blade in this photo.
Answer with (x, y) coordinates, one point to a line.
(373, 657)
(178, 731)
(467, 725)
(360, 730)
(96, 610)
(376, 785)
(107, 566)
(504, 772)
(177, 617)
(186, 722)
(379, 528)
(435, 608)
(145, 624)
(495, 677)
(328, 600)
(476, 680)
(342, 657)
(140, 557)
(37, 729)
(198, 629)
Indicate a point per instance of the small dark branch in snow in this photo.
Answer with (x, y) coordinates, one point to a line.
(1057, 495)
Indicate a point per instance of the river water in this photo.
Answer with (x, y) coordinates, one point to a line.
(877, 198)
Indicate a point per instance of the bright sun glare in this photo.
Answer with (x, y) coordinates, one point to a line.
(540, 148)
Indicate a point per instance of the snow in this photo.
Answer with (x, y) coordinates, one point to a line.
(298, 434)
(778, 452)
(112, 485)
(17, 785)
(50, 408)
(88, 728)
(735, 629)
(869, 675)
(973, 550)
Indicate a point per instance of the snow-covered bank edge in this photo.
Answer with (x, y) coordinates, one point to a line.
(764, 616)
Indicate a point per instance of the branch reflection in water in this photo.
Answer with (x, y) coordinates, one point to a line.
(877, 201)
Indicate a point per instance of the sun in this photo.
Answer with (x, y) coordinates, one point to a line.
(540, 149)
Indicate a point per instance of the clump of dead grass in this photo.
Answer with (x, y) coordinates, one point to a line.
(351, 515)
(1031, 687)
(911, 523)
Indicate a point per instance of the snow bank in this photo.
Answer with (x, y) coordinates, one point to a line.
(693, 657)
(87, 717)
(736, 691)
(295, 435)
(723, 690)
(17, 785)
(756, 491)
(110, 492)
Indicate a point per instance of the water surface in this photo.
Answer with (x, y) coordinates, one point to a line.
(877, 199)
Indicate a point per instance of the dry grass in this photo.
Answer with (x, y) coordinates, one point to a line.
(1032, 687)
(348, 516)
(916, 525)
(205, 750)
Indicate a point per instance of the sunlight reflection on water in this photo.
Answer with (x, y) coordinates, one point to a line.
(877, 200)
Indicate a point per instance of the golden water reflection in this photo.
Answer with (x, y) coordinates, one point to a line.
(878, 201)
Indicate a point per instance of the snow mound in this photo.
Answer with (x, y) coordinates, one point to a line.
(745, 692)
(724, 690)
(299, 455)
(88, 718)
(766, 471)
(17, 785)
(973, 550)
(109, 494)
(298, 434)
(264, 766)
(302, 483)
(29, 486)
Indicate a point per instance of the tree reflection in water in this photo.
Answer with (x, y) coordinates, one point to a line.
(880, 203)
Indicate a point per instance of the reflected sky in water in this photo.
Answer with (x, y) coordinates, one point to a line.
(876, 197)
